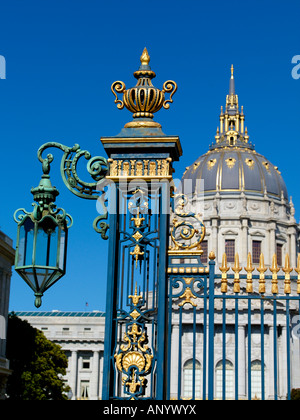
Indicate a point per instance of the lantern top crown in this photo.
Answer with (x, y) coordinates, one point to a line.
(143, 100)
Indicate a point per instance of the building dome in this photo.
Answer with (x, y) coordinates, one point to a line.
(240, 195)
(232, 165)
(233, 169)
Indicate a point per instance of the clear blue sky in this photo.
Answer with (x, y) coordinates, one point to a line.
(62, 57)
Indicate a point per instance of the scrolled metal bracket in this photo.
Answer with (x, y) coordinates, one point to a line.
(97, 167)
(170, 87)
(188, 230)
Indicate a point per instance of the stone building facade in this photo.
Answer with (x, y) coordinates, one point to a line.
(7, 254)
(81, 337)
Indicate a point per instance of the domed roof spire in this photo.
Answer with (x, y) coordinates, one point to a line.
(232, 129)
(232, 83)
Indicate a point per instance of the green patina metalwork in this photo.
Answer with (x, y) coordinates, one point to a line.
(42, 234)
(42, 238)
(97, 167)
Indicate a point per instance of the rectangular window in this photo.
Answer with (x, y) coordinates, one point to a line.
(84, 390)
(279, 254)
(256, 251)
(85, 363)
(230, 249)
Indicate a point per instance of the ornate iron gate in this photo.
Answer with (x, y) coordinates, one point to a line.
(177, 328)
(213, 319)
(182, 331)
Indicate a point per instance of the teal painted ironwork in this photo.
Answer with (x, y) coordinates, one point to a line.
(41, 249)
(42, 234)
(193, 314)
(97, 168)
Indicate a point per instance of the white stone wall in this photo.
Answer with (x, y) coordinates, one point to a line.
(245, 218)
(82, 339)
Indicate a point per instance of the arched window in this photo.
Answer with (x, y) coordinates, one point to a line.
(229, 380)
(256, 379)
(188, 369)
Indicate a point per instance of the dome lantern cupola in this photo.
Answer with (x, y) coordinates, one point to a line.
(232, 130)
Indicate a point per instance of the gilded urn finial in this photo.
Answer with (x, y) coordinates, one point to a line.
(144, 99)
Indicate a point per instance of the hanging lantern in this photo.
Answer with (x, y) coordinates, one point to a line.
(41, 248)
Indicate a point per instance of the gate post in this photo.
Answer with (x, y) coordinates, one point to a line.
(140, 159)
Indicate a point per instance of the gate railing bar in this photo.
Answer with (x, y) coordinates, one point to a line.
(236, 333)
(288, 350)
(169, 341)
(249, 350)
(275, 348)
(262, 344)
(224, 352)
(194, 354)
(179, 354)
(205, 339)
(211, 332)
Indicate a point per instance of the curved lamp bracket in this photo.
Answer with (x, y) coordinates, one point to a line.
(97, 167)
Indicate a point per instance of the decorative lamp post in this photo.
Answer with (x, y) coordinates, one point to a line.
(42, 238)
(139, 170)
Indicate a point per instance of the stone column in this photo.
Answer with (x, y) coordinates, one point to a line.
(74, 373)
(214, 236)
(272, 244)
(292, 247)
(95, 377)
(101, 373)
(244, 242)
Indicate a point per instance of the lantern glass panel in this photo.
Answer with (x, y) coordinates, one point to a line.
(26, 235)
(46, 243)
(62, 249)
(28, 276)
(42, 276)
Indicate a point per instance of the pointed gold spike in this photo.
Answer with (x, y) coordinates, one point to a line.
(224, 268)
(249, 269)
(274, 270)
(232, 69)
(236, 269)
(145, 57)
(262, 269)
(287, 278)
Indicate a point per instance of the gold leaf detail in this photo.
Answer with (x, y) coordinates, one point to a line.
(230, 162)
(137, 236)
(250, 163)
(133, 358)
(211, 163)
